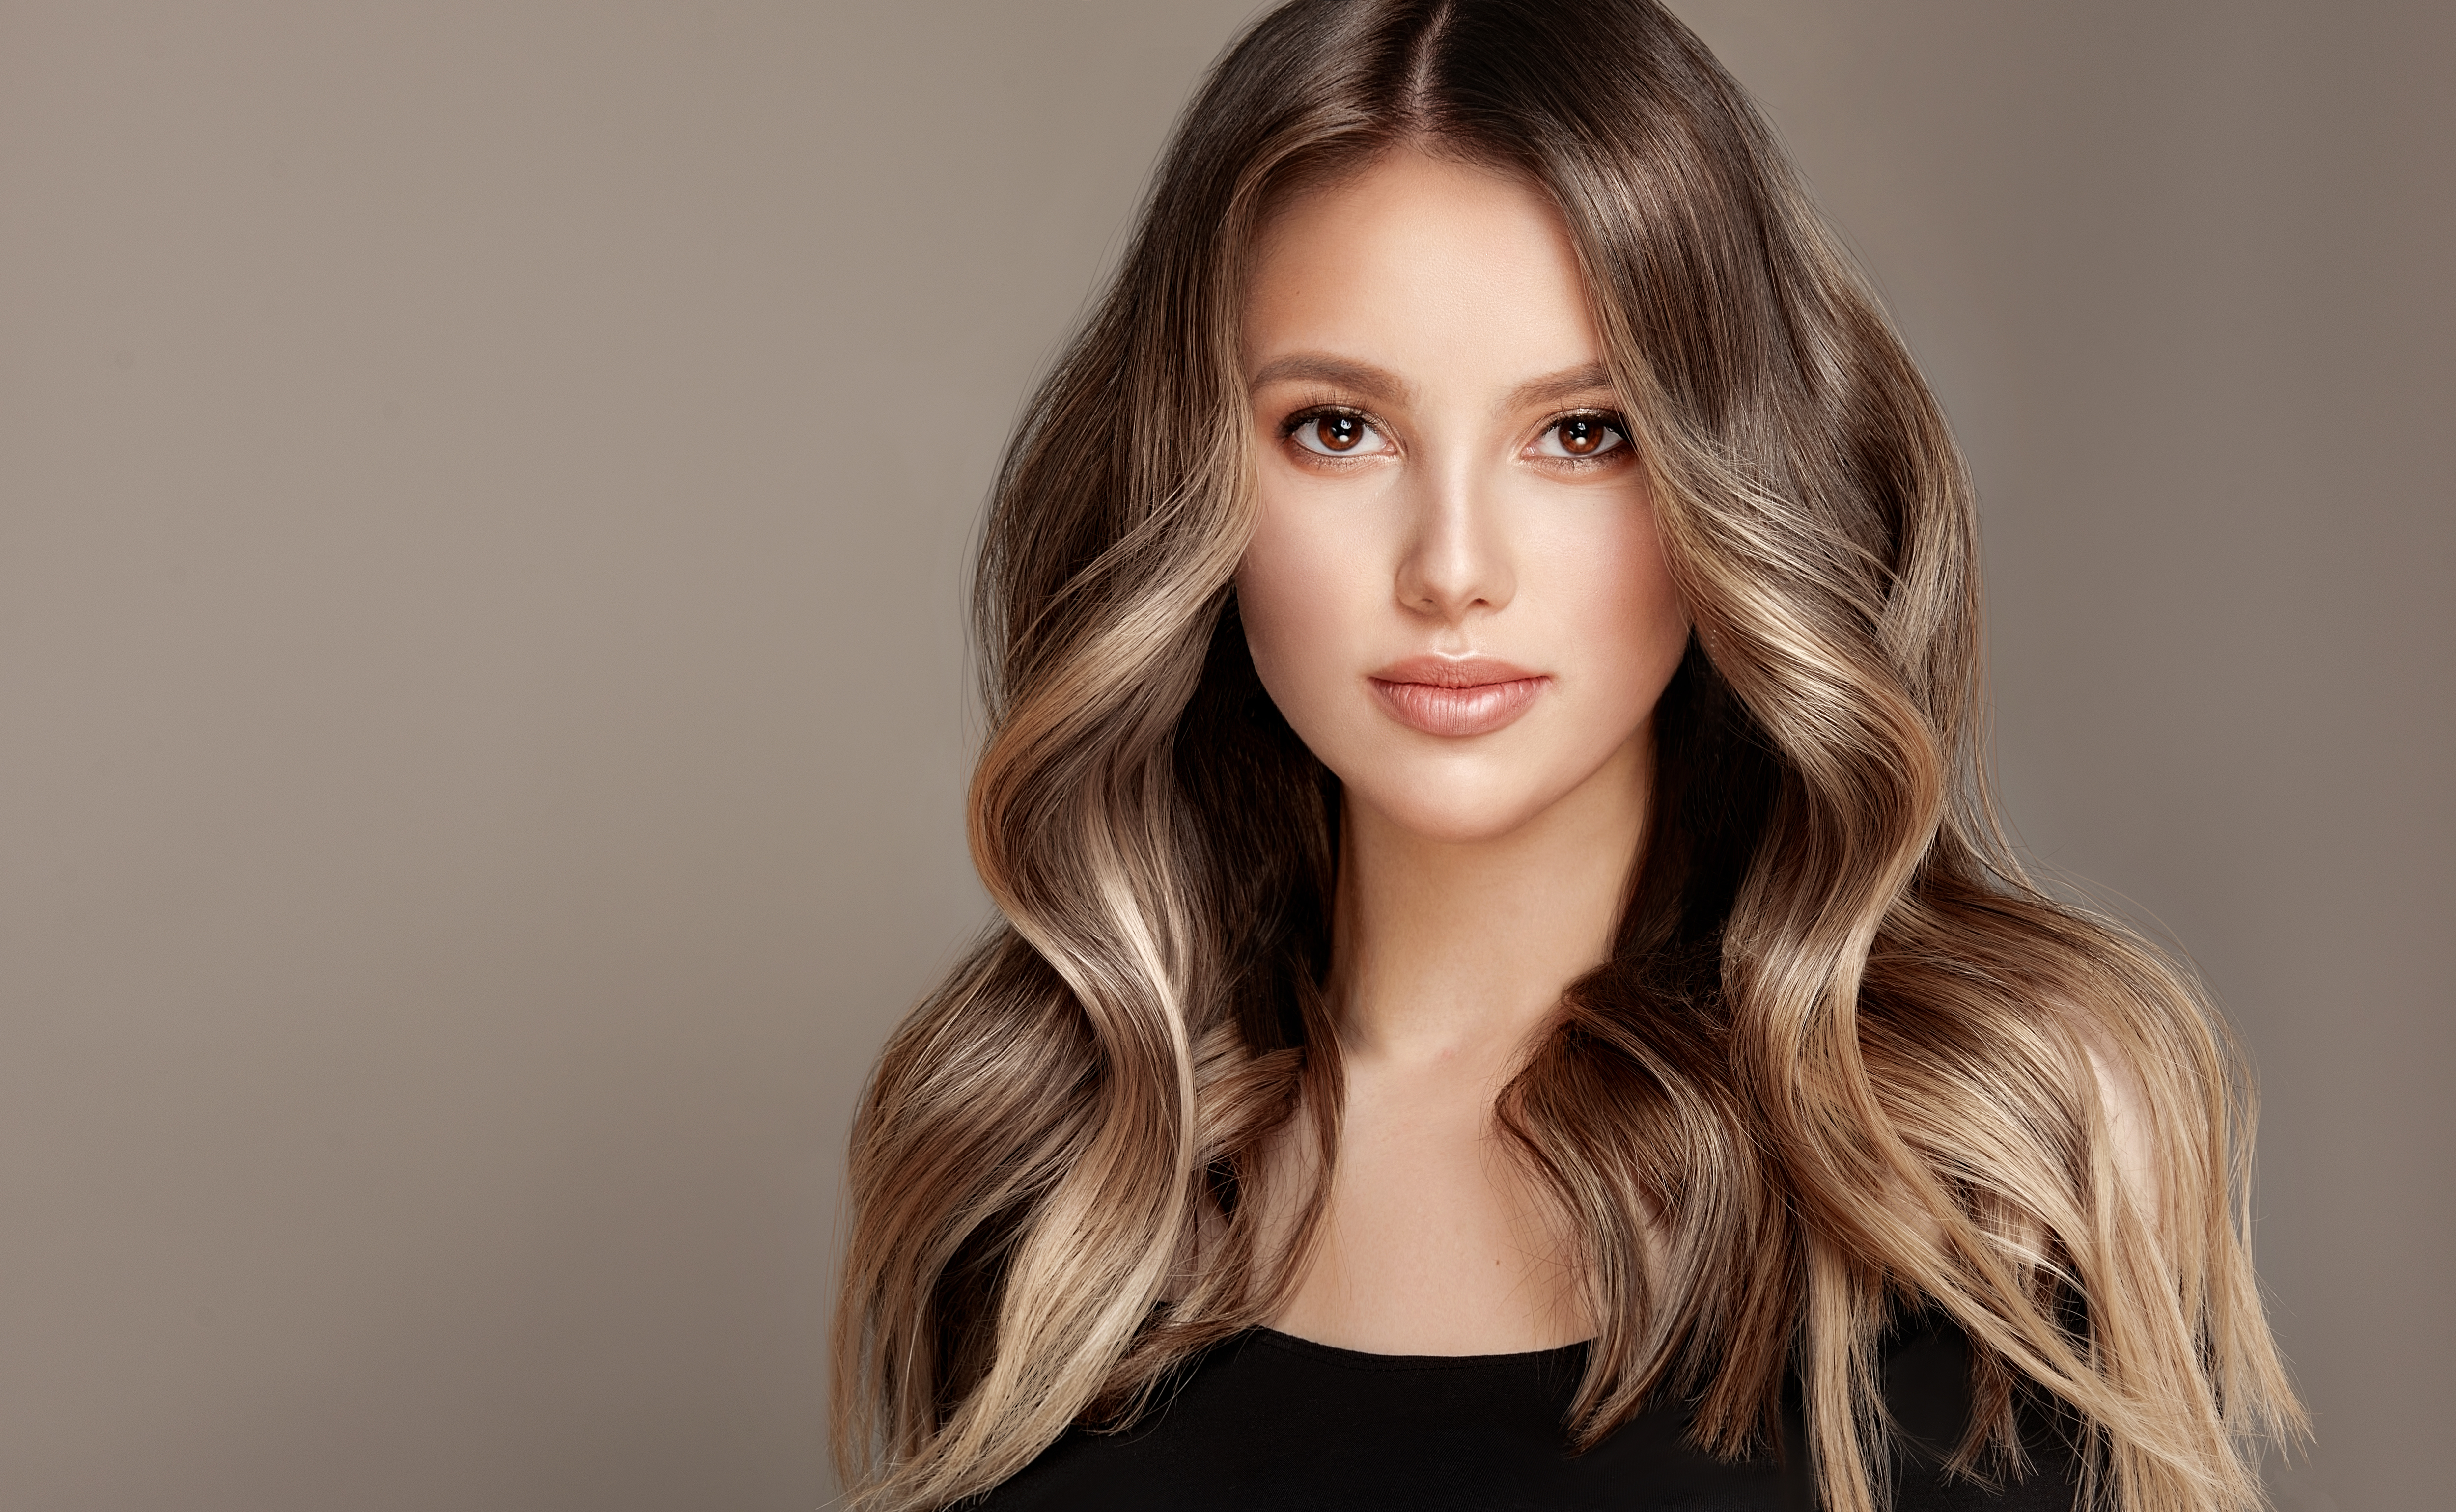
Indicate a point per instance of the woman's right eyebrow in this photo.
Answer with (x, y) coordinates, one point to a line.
(1372, 383)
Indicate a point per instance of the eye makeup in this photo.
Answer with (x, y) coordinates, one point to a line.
(1578, 438)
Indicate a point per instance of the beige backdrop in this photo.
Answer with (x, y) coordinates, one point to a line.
(484, 491)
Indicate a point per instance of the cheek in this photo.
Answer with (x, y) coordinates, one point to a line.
(1300, 610)
(1652, 622)
(1593, 604)
(1608, 593)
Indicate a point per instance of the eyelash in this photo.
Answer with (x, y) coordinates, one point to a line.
(1307, 416)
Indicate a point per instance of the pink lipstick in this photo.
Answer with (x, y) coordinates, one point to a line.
(1456, 696)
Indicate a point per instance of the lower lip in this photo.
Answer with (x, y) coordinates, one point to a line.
(1477, 710)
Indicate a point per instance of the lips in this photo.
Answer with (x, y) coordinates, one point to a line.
(1456, 696)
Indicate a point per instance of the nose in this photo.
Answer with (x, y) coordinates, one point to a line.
(1457, 561)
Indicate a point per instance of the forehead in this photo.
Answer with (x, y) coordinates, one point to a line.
(1422, 265)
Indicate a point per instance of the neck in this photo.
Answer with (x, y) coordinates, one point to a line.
(1457, 950)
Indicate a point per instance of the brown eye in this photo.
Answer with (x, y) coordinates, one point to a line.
(1581, 436)
(1336, 435)
(1584, 435)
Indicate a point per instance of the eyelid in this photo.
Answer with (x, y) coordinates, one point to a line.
(1613, 420)
(1310, 413)
(1317, 409)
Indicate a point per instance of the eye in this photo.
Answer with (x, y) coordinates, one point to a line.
(1337, 433)
(1579, 437)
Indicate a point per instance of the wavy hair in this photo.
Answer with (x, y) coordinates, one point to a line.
(1840, 1057)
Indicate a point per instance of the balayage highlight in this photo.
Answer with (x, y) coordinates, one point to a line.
(1840, 1058)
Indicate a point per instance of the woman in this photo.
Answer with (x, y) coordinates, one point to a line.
(1509, 990)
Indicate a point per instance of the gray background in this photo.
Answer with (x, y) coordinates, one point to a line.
(484, 491)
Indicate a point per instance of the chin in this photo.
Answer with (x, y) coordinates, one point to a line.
(1452, 809)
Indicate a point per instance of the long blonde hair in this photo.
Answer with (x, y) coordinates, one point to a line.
(1841, 1052)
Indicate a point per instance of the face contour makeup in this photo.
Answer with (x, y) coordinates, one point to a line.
(1454, 592)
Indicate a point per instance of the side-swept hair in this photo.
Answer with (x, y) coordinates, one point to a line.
(1840, 1056)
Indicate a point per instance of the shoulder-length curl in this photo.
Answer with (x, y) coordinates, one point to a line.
(1840, 1057)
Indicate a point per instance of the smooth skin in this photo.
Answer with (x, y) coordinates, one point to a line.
(1441, 478)
(1441, 473)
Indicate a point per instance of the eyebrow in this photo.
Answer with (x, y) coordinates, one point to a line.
(1566, 384)
(1373, 382)
(1378, 383)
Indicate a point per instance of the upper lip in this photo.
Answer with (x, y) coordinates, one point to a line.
(1453, 671)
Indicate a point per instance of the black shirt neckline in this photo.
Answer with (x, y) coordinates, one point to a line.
(1366, 1359)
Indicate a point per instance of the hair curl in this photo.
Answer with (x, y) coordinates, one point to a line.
(1840, 1055)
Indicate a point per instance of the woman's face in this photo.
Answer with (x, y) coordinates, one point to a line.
(1454, 593)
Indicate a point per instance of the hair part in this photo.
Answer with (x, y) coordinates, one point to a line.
(1840, 1054)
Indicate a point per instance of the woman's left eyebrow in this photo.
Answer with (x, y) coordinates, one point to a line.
(1568, 383)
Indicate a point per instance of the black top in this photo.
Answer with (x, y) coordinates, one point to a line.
(1266, 1422)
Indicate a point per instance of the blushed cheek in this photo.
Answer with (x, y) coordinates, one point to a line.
(1633, 617)
(1289, 600)
(1651, 612)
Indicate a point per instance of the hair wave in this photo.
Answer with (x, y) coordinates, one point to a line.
(1840, 1056)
